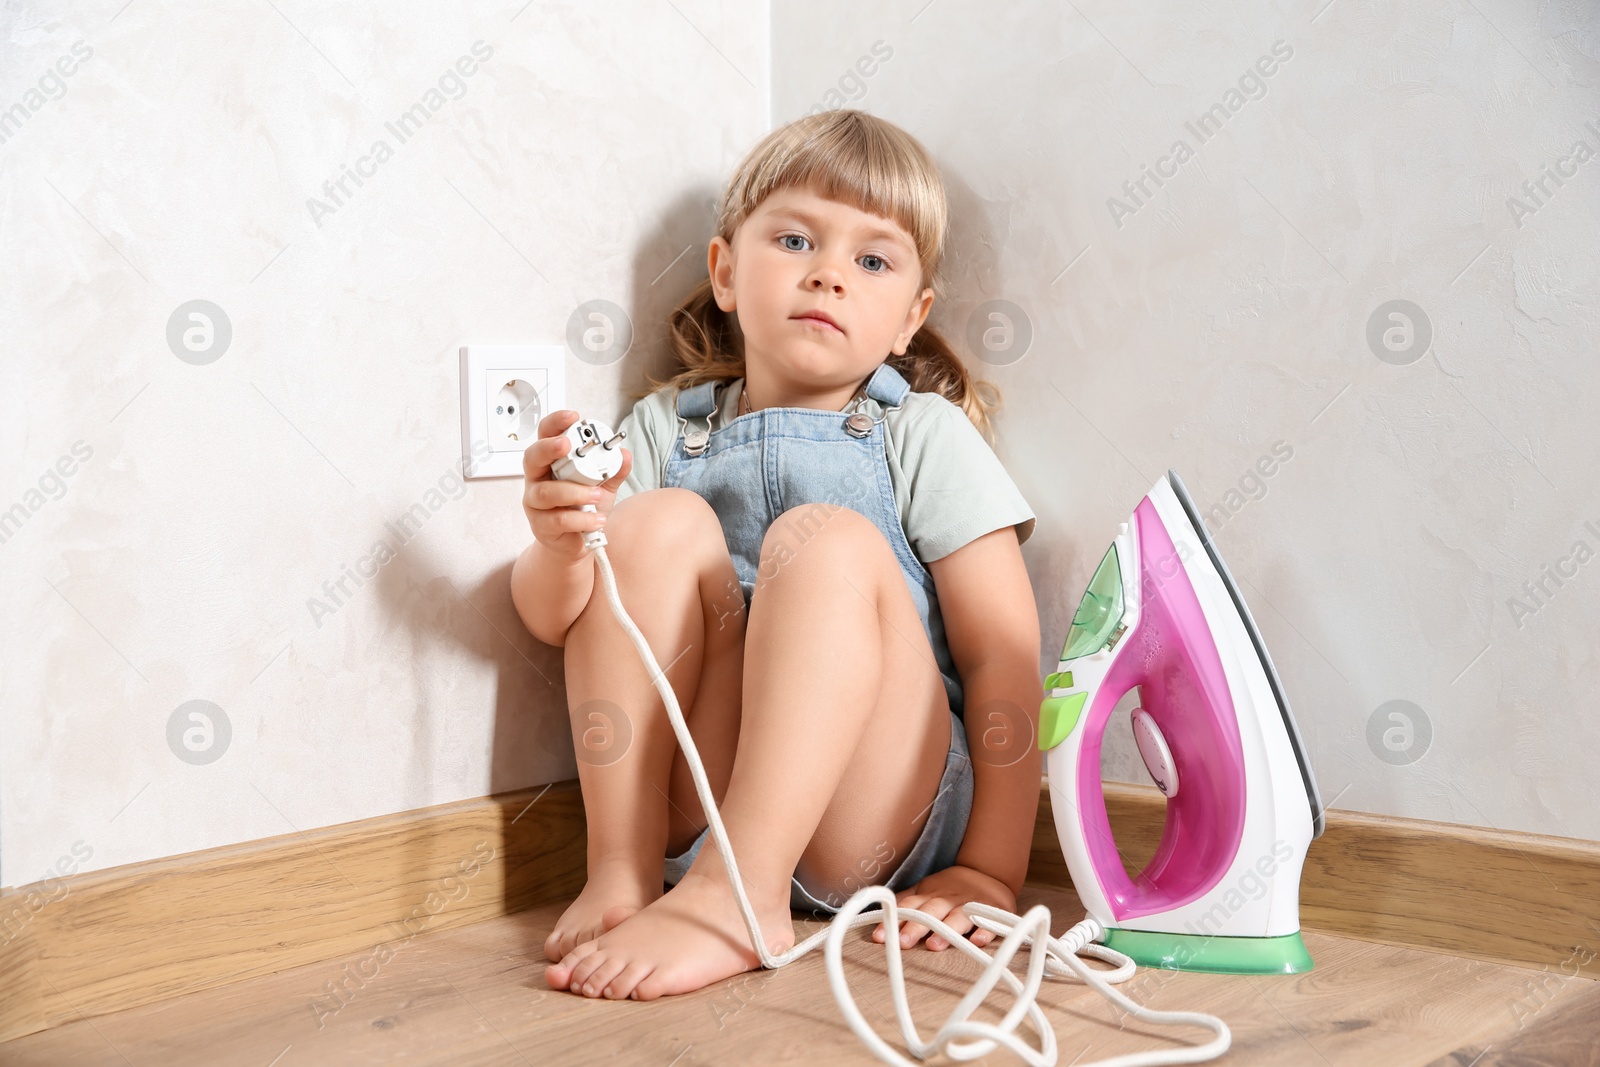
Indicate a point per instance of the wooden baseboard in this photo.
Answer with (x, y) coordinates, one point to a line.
(107, 940)
(1524, 899)
(354, 894)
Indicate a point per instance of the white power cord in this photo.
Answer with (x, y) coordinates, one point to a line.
(594, 459)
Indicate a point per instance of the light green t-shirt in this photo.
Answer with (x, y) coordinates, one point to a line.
(949, 486)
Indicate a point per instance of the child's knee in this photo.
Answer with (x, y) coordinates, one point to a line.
(665, 520)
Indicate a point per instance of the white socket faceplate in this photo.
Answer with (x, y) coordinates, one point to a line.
(505, 391)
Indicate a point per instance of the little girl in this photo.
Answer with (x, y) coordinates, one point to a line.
(823, 552)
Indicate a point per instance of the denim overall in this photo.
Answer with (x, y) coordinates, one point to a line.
(757, 467)
(762, 463)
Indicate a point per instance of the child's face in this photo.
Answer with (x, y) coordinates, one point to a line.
(798, 252)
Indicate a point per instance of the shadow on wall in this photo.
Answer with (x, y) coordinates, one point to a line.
(1062, 555)
(441, 622)
(971, 270)
(670, 262)
(532, 739)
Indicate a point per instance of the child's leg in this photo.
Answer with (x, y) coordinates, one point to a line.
(673, 574)
(842, 742)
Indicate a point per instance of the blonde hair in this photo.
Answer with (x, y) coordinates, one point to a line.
(867, 163)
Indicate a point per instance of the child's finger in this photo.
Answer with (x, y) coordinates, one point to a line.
(961, 923)
(938, 907)
(957, 920)
(910, 900)
(551, 444)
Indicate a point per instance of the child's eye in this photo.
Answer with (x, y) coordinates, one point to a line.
(885, 266)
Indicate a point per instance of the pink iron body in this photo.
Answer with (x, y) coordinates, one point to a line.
(1163, 614)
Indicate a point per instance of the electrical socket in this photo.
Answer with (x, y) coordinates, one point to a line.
(505, 391)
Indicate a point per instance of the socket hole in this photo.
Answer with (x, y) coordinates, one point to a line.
(517, 410)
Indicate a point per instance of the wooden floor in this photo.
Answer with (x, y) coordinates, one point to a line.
(476, 995)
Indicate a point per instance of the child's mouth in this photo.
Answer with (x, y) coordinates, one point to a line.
(820, 323)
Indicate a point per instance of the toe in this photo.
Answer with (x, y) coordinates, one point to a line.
(586, 967)
(624, 984)
(556, 946)
(595, 984)
(651, 986)
(561, 975)
(613, 917)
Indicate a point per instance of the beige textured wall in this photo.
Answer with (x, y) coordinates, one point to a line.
(575, 163)
(1220, 321)
(1196, 327)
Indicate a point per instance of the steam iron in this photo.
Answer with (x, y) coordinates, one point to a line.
(1222, 892)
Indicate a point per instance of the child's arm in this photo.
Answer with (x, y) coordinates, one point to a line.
(992, 625)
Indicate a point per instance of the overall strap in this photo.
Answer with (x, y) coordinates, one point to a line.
(698, 401)
(886, 386)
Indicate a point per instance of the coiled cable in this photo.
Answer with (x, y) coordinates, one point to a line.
(960, 1037)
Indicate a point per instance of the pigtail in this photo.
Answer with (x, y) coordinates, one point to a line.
(930, 365)
(705, 341)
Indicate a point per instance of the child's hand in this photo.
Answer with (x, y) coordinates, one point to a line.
(552, 505)
(941, 895)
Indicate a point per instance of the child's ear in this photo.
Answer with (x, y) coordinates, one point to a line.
(719, 265)
(915, 317)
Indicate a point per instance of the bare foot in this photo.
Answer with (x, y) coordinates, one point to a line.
(691, 937)
(607, 898)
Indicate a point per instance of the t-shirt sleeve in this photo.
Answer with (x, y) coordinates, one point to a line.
(646, 450)
(958, 488)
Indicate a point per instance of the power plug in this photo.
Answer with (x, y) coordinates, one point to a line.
(595, 457)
